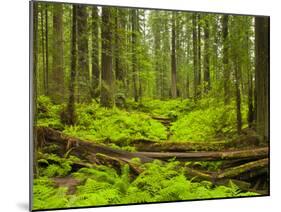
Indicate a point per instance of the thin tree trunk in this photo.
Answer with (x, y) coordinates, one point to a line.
(199, 56)
(207, 83)
(134, 54)
(226, 73)
(173, 60)
(95, 54)
(237, 73)
(195, 55)
(43, 50)
(47, 51)
(34, 6)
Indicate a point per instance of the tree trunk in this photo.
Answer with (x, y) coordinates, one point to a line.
(134, 54)
(42, 16)
(237, 73)
(34, 7)
(57, 85)
(107, 97)
(71, 100)
(83, 75)
(262, 76)
(250, 86)
(46, 76)
(199, 56)
(226, 73)
(173, 60)
(195, 55)
(95, 54)
(207, 83)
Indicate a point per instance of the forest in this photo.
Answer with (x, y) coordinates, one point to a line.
(136, 105)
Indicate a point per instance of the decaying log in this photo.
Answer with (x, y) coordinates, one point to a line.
(94, 153)
(117, 163)
(85, 150)
(253, 168)
(209, 156)
(168, 146)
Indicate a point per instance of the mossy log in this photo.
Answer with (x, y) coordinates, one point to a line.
(85, 150)
(251, 154)
(253, 169)
(93, 153)
(117, 163)
(168, 146)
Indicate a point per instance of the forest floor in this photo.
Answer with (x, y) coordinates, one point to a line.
(156, 151)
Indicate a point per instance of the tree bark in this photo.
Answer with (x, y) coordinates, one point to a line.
(34, 7)
(207, 82)
(195, 56)
(83, 75)
(107, 97)
(57, 85)
(134, 54)
(251, 154)
(71, 100)
(95, 93)
(226, 73)
(46, 76)
(262, 76)
(173, 59)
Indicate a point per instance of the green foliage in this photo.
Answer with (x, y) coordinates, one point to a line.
(46, 196)
(48, 114)
(211, 121)
(56, 166)
(98, 123)
(170, 108)
(102, 186)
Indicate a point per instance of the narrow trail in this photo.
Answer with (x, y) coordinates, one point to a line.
(166, 122)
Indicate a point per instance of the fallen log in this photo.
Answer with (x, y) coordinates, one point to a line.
(117, 163)
(253, 168)
(145, 145)
(94, 153)
(251, 154)
(85, 150)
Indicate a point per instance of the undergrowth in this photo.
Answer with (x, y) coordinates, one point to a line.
(104, 186)
(210, 121)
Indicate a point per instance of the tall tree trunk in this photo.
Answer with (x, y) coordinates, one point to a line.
(262, 76)
(57, 85)
(46, 76)
(237, 73)
(134, 54)
(195, 55)
(207, 83)
(107, 97)
(250, 85)
(95, 54)
(42, 16)
(199, 55)
(226, 73)
(83, 75)
(173, 59)
(71, 100)
(34, 7)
